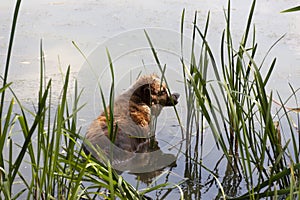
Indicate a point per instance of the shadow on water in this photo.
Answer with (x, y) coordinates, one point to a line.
(147, 164)
(231, 181)
(204, 183)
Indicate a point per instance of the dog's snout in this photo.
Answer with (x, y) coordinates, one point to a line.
(175, 96)
(172, 100)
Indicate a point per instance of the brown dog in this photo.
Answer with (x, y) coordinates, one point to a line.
(135, 113)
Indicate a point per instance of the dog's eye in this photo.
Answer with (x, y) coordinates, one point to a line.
(162, 92)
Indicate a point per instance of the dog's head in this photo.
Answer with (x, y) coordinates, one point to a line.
(154, 93)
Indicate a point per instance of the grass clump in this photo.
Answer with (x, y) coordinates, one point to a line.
(58, 167)
(51, 147)
(238, 110)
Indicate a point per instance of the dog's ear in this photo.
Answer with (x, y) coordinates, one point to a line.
(145, 94)
(146, 90)
(142, 94)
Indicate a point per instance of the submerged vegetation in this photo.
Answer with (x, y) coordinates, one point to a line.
(259, 147)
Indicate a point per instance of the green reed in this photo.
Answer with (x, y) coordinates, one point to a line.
(238, 110)
(58, 168)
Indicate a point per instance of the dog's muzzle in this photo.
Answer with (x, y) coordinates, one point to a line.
(173, 100)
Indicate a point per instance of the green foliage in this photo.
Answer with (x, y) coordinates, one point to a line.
(238, 110)
(294, 9)
(59, 169)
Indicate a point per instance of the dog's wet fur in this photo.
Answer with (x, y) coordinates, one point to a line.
(134, 113)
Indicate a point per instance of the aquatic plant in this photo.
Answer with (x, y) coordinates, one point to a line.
(51, 146)
(238, 109)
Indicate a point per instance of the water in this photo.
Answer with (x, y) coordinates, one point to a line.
(90, 23)
(118, 25)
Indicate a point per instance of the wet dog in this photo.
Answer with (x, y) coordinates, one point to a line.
(134, 113)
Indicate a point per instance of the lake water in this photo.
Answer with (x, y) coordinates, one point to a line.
(118, 25)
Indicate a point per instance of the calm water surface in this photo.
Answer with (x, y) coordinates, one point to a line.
(94, 25)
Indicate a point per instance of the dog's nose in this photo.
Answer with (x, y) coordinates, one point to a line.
(175, 96)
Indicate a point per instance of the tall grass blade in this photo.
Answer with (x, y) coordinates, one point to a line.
(8, 56)
(5, 76)
(294, 9)
(30, 131)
